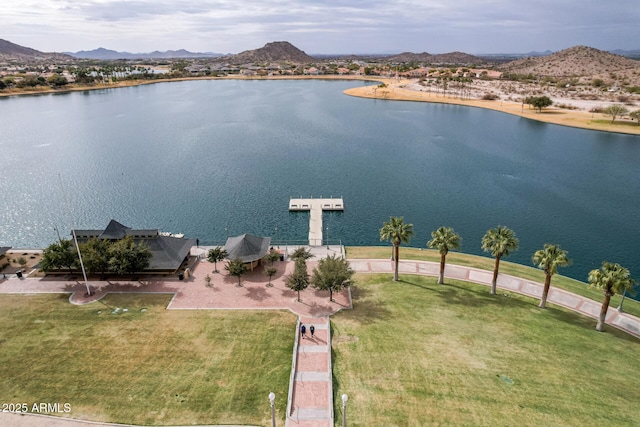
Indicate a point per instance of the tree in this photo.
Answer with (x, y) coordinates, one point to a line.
(236, 268)
(549, 259)
(332, 274)
(615, 110)
(397, 232)
(270, 271)
(541, 102)
(301, 253)
(444, 239)
(499, 241)
(635, 115)
(127, 257)
(59, 255)
(57, 80)
(22, 261)
(612, 279)
(299, 279)
(271, 257)
(95, 255)
(216, 254)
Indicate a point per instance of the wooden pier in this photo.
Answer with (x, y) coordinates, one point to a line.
(315, 207)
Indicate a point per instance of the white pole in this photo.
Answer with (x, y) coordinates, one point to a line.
(75, 239)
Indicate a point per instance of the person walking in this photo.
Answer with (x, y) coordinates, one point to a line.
(312, 329)
(303, 331)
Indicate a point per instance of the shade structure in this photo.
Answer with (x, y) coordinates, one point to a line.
(247, 248)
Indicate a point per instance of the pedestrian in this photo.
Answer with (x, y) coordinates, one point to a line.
(303, 330)
(312, 329)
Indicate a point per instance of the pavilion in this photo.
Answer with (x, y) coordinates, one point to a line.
(247, 248)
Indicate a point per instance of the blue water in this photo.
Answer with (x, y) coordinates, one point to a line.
(217, 158)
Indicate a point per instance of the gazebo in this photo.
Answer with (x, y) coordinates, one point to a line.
(247, 248)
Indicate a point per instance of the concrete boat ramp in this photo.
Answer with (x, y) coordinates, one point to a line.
(315, 207)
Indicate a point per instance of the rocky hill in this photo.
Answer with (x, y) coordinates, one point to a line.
(271, 52)
(13, 52)
(576, 62)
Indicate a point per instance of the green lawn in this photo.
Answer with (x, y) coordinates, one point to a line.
(526, 272)
(416, 353)
(147, 365)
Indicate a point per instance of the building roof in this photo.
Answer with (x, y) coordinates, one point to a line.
(247, 247)
(168, 252)
(4, 249)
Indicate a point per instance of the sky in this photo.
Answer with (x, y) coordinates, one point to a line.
(322, 26)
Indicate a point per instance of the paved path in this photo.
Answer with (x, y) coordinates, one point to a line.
(311, 400)
(580, 304)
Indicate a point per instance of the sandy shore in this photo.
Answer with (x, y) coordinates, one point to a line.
(397, 90)
(408, 90)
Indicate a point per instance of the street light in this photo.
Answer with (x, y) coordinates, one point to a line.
(344, 410)
(272, 398)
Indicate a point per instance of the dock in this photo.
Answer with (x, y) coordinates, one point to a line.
(315, 207)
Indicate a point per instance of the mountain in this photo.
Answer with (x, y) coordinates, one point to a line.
(458, 58)
(271, 52)
(580, 62)
(12, 52)
(572, 62)
(107, 54)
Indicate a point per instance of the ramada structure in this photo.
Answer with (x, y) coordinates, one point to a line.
(168, 252)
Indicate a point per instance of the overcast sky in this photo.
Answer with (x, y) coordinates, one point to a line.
(322, 26)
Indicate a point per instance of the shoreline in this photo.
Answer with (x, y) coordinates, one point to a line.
(557, 116)
(397, 92)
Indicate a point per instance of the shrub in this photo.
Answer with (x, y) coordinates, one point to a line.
(490, 96)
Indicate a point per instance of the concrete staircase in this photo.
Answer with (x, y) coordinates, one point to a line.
(311, 395)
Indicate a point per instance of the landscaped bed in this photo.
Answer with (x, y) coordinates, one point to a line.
(126, 359)
(416, 353)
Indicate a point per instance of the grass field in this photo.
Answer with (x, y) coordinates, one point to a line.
(384, 252)
(147, 365)
(416, 353)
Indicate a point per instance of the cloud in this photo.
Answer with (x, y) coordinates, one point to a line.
(321, 25)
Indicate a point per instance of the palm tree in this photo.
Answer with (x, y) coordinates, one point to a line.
(549, 259)
(444, 239)
(500, 241)
(216, 254)
(397, 232)
(612, 279)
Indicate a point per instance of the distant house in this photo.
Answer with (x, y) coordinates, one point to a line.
(168, 252)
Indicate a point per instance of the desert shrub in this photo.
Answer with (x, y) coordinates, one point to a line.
(622, 98)
(567, 106)
(490, 96)
(599, 109)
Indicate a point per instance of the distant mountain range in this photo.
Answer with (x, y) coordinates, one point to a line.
(107, 54)
(280, 51)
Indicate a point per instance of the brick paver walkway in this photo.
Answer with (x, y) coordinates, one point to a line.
(312, 397)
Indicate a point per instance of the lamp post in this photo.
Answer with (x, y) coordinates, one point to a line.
(272, 398)
(344, 410)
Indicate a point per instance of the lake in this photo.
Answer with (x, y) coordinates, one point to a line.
(218, 158)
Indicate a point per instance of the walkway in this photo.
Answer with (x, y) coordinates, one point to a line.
(311, 391)
(578, 303)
